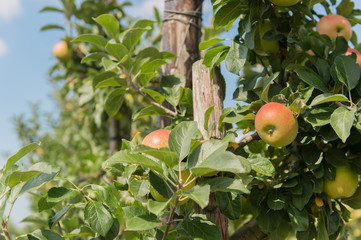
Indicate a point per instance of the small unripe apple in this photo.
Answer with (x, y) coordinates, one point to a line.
(344, 185)
(334, 25)
(276, 124)
(267, 46)
(284, 3)
(62, 51)
(157, 139)
(358, 55)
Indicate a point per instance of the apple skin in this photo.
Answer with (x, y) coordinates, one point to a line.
(276, 125)
(344, 185)
(157, 139)
(284, 3)
(334, 25)
(62, 51)
(267, 46)
(358, 55)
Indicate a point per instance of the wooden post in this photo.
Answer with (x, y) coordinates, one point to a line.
(208, 92)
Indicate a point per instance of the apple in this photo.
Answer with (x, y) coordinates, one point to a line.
(334, 25)
(267, 46)
(358, 55)
(284, 3)
(156, 195)
(62, 51)
(276, 124)
(157, 138)
(185, 174)
(344, 185)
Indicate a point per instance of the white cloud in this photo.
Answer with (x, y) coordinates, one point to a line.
(10, 9)
(3, 48)
(145, 8)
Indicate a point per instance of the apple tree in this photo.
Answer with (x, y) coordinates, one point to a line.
(295, 69)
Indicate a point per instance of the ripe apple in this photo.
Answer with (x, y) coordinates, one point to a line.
(62, 51)
(276, 124)
(358, 55)
(157, 138)
(344, 185)
(267, 46)
(334, 25)
(284, 3)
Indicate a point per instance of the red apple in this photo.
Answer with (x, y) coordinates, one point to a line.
(284, 3)
(62, 51)
(358, 55)
(334, 25)
(157, 138)
(276, 124)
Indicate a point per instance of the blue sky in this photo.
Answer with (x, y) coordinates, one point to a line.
(25, 57)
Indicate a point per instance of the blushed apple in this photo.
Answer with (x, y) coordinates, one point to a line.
(358, 55)
(62, 51)
(157, 139)
(334, 25)
(284, 3)
(344, 185)
(276, 124)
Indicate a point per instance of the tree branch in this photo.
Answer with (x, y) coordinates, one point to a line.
(170, 219)
(344, 106)
(5, 231)
(249, 231)
(249, 138)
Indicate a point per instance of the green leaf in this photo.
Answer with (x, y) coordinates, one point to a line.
(319, 116)
(227, 14)
(153, 65)
(112, 82)
(156, 96)
(148, 111)
(109, 64)
(346, 70)
(269, 220)
(19, 154)
(44, 234)
(94, 57)
(199, 194)
(169, 158)
(117, 50)
(341, 121)
(56, 218)
(299, 219)
(51, 26)
(230, 204)
(328, 97)
(224, 162)
(355, 200)
(311, 79)
(236, 57)
(109, 195)
(58, 194)
(198, 227)
(170, 87)
(91, 38)
(205, 150)
(262, 165)
(157, 207)
(214, 56)
(207, 115)
(142, 222)
(210, 42)
(109, 23)
(144, 78)
(98, 217)
(132, 35)
(139, 188)
(114, 101)
(125, 156)
(49, 8)
(180, 138)
(276, 200)
(103, 76)
(161, 185)
(225, 184)
(18, 177)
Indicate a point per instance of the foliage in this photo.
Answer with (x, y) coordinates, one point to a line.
(283, 187)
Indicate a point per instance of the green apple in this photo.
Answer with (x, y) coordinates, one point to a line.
(156, 195)
(267, 46)
(344, 185)
(334, 25)
(62, 51)
(157, 139)
(276, 124)
(284, 3)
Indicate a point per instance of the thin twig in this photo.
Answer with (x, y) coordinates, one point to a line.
(170, 219)
(344, 106)
(5, 231)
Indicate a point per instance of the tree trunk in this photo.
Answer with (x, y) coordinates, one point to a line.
(208, 92)
(181, 36)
